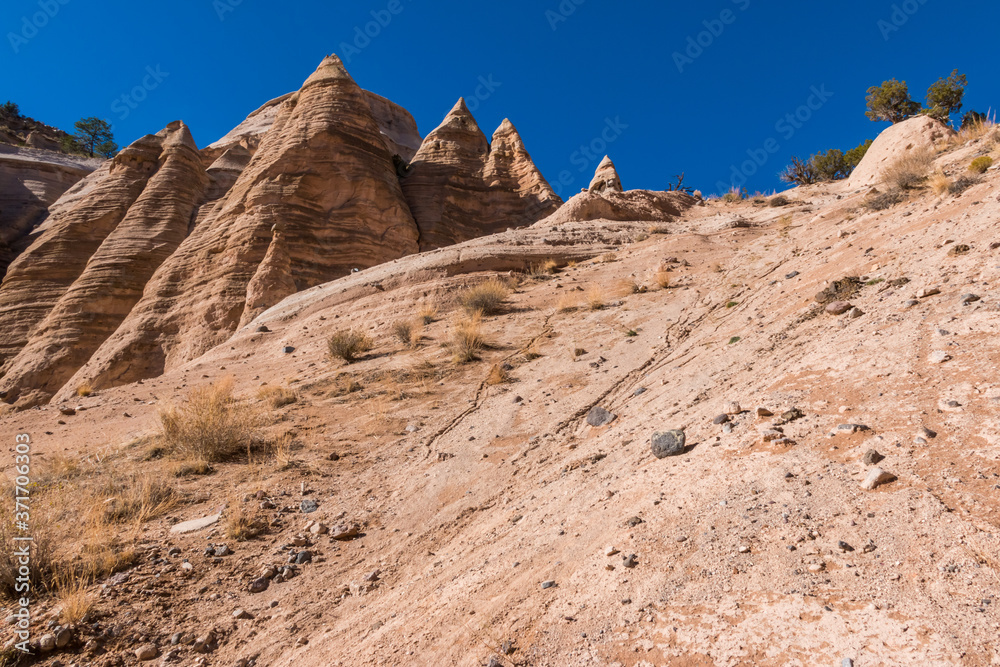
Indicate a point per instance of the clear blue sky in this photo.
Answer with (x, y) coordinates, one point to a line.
(561, 70)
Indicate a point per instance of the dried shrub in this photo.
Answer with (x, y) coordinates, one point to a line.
(277, 397)
(467, 339)
(403, 330)
(486, 298)
(963, 183)
(348, 345)
(211, 426)
(880, 201)
(908, 171)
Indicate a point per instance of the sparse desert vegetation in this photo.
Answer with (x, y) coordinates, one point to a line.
(486, 298)
(349, 344)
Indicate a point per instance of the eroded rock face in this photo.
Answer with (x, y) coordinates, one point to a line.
(606, 178)
(322, 179)
(31, 181)
(114, 275)
(398, 128)
(396, 125)
(77, 225)
(461, 186)
(637, 205)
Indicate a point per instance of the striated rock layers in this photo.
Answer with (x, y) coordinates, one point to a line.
(396, 126)
(165, 250)
(79, 280)
(461, 186)
(606, 178)
(319, 198)
(31, 181)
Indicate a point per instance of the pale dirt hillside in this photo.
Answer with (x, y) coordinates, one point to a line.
(468, 495)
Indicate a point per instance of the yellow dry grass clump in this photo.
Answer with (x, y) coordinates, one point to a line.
(467, 339)
(486, 298)
(277, 397)
(909, 170)
(348, 345)
(595, 297)
(212, 425)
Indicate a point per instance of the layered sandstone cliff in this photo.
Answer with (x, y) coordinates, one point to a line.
(319, 198)
(396, 125)
(461, 186)
(31, 180)
(114, 276)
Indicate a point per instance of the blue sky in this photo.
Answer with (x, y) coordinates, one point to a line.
(572, 75)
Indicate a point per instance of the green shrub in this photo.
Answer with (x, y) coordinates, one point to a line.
(981, 164)
(9, 111)
(854, 156)
(890, 101)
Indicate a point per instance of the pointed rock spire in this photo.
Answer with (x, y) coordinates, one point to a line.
(462, 186)
(606, 178)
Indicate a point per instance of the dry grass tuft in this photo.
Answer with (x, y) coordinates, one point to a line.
(406, 333)
(498, 375)
(567, 303)
(428, 313)
(908, 171)
(485, 298)
(595, 297)
(940, 184)
(277, 397)
(75, 602)
(628, 286)
(663, 279)
(212, 425)
(243, 521)
(467, 339)
(281, 450)
(135, 498)
(349, 345)
(547, 268)
(84, 390)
